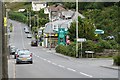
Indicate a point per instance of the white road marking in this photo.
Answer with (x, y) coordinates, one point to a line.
(64, 67)
(37, 56)
(48, 61)
(71, 69)
(44, 49)
(54, 63)
(85, 74)
(41, 58)
(22, 37)
(44, 59)
(61, 66)
(48, 51)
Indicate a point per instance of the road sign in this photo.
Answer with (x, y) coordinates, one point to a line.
(81, 40)
(99, 31)
(5, 21)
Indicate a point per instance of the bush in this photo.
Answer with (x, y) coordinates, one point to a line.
(114, 44)
(18, 16)
(116, 59)
(89, 45)
(104, 45)
(69, 50)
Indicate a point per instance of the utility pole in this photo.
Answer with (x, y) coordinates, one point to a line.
(4, 46)
(1, 21)
(77, 55)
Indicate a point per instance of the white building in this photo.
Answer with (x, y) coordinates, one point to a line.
(37, 5)
(21, 10)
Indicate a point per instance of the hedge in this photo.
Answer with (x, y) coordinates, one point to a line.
(18, 16)
(70, 50)
(116, 59)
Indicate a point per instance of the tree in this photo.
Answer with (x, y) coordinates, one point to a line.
(85, 29)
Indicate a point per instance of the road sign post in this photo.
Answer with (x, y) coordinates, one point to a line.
(81, 40)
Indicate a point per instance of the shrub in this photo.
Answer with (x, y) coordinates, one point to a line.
(113, 44)
(18, 16)
(116, 59)
(89, 45)
(69, 50)
(103, 44)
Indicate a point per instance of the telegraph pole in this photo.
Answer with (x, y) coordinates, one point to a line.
(77, 55)
(1, 19)
(4, 46)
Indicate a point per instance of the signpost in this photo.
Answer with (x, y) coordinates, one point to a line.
(61, 36)
(81, 40)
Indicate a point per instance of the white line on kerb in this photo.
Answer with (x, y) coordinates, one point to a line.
(71, 69)
(85, 74)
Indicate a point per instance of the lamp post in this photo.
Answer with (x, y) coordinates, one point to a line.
(77, 56)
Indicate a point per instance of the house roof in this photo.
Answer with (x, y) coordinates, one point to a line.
(38, 2)
(67, 13)
(76, 14)
(56, 8)
(60, 23)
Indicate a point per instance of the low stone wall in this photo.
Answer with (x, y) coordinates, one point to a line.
(107, 53)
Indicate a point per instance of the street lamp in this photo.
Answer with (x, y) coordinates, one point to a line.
(77, 56)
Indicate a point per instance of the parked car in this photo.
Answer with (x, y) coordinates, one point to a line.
(12, 50)
(29, 35)
(24, 56)
(34, 43)
(17, 50)
(26, 30)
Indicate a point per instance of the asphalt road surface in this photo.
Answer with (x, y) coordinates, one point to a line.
(46, 64)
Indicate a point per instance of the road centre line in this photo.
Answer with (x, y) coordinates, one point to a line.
(64, 67)
(61, 66)
(22, 37)
(85, 74)
(48, 61)
(71, 69)
(54, 63)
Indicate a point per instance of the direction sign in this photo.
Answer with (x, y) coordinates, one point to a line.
(81, 40)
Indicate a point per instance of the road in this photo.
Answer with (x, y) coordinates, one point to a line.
(46, 64)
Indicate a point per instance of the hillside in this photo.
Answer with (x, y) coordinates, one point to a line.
(18, 5)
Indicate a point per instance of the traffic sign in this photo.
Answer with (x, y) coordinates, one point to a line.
(81, 40)
(5, 21)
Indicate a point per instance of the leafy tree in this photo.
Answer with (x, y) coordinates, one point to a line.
(85, 29)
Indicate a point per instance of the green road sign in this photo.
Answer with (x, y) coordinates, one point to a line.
(61, 36)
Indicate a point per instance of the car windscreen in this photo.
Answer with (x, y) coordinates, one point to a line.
(24, 53)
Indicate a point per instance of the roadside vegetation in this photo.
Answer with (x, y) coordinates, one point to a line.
(105, 17)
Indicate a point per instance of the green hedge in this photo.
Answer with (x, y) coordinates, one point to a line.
(70, 50)
(116, 59)
(66, 50)
(18, 16)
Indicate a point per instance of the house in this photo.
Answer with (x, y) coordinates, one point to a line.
(54, 11)
(63, 20)
(21, 10)
(50, 31)
(70, 15)
(37, 5)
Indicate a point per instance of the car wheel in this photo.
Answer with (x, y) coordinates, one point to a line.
(31, 62)
(14, 56)
(17, 62)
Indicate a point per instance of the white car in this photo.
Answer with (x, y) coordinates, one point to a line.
(29, 35)
(24, 56)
